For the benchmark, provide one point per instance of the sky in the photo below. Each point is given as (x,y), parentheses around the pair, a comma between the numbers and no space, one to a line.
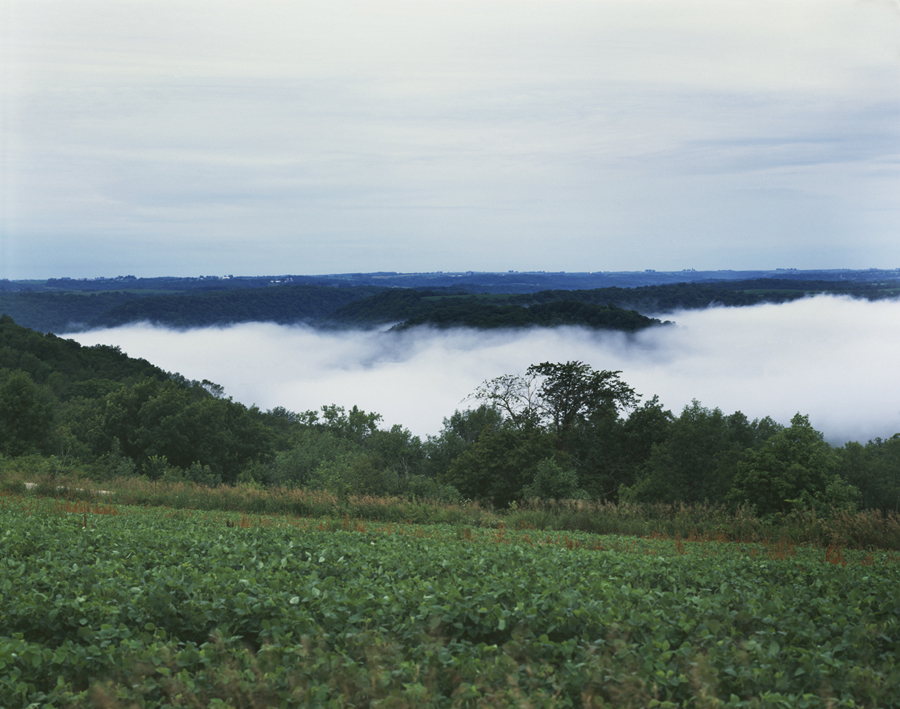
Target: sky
(831,358)
(213,137)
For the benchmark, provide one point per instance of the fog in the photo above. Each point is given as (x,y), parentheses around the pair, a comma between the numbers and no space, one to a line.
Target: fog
(835,359)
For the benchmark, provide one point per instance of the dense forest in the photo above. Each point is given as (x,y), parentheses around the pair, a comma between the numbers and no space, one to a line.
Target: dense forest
(322,306)
(409,308)
(688,296)
(70,306)
(556,431)
(70,312)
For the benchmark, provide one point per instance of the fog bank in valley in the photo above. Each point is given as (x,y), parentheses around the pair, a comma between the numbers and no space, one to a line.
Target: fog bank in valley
(832,358)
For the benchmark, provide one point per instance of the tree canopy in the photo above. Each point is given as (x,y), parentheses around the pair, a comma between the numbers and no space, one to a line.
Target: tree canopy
(556,394)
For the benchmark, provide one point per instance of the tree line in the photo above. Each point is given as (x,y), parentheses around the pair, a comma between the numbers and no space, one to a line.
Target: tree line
(559,430)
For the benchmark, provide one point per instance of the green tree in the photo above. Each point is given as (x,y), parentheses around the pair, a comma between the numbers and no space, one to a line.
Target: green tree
(874,469)
(26,415)
(354,474)
(609,451)
(120,419)
(310,448)
(355,425)
(795,468)
(557,395)
(572,392)
(398,451)
(500,464)
(458,433)
(697,459)
(185,426)
(553,482)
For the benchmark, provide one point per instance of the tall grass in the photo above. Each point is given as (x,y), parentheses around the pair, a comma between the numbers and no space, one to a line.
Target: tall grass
(861,530)
(868,529)
(642,520)
(253,499)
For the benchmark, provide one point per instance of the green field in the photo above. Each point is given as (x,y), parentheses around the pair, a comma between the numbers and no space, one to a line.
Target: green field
(116,606)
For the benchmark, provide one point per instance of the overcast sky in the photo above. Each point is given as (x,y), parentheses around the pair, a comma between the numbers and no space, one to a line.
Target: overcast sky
(211,137)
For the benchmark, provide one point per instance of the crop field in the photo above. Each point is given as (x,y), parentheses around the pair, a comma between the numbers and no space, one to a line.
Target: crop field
(115,606)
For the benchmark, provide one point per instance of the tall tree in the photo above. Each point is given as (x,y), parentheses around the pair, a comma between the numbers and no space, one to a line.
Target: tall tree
(609,451)
(571,392)
(459,432)
(557,395)
(501,463)
(875,470)
(697,459)
(26,415)
(795,468)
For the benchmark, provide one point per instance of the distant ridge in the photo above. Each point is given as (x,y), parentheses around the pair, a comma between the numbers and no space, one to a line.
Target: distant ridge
(489,300)
(487,281)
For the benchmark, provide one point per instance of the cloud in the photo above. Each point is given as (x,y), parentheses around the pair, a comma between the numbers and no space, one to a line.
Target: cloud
(832,358)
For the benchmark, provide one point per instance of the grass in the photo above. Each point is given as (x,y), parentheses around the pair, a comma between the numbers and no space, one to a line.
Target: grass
(867,529)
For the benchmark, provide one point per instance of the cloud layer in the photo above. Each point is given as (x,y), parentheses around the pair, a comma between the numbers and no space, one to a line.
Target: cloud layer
(832,358)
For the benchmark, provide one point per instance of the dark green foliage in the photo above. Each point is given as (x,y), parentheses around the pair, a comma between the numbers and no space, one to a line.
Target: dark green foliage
(185,426)
(69,368)
(413,307)
(610,451)
(346,453)
(577,408)
(390,306)
(26,415)
(501,463)
(460,431)
(109,405)
(651,299)
(284,304)
(310,448)
(874,469)
(570,393)
(397,450)
(475,313)
(668,298)
(697,459)
(556,396)
(355,425)
(553,482)
(60,312)
(795,468)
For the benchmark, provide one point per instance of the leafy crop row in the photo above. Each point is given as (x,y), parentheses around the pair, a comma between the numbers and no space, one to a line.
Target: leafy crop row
(121,606)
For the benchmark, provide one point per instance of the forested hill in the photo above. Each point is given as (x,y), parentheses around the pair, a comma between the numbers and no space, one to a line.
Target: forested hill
(409,308)
(691,296)
(477,314)
(285,305)
(661,299)
(286,302)
(65,366)
(98,405)
(61,312)
(618,308)
(74,311)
